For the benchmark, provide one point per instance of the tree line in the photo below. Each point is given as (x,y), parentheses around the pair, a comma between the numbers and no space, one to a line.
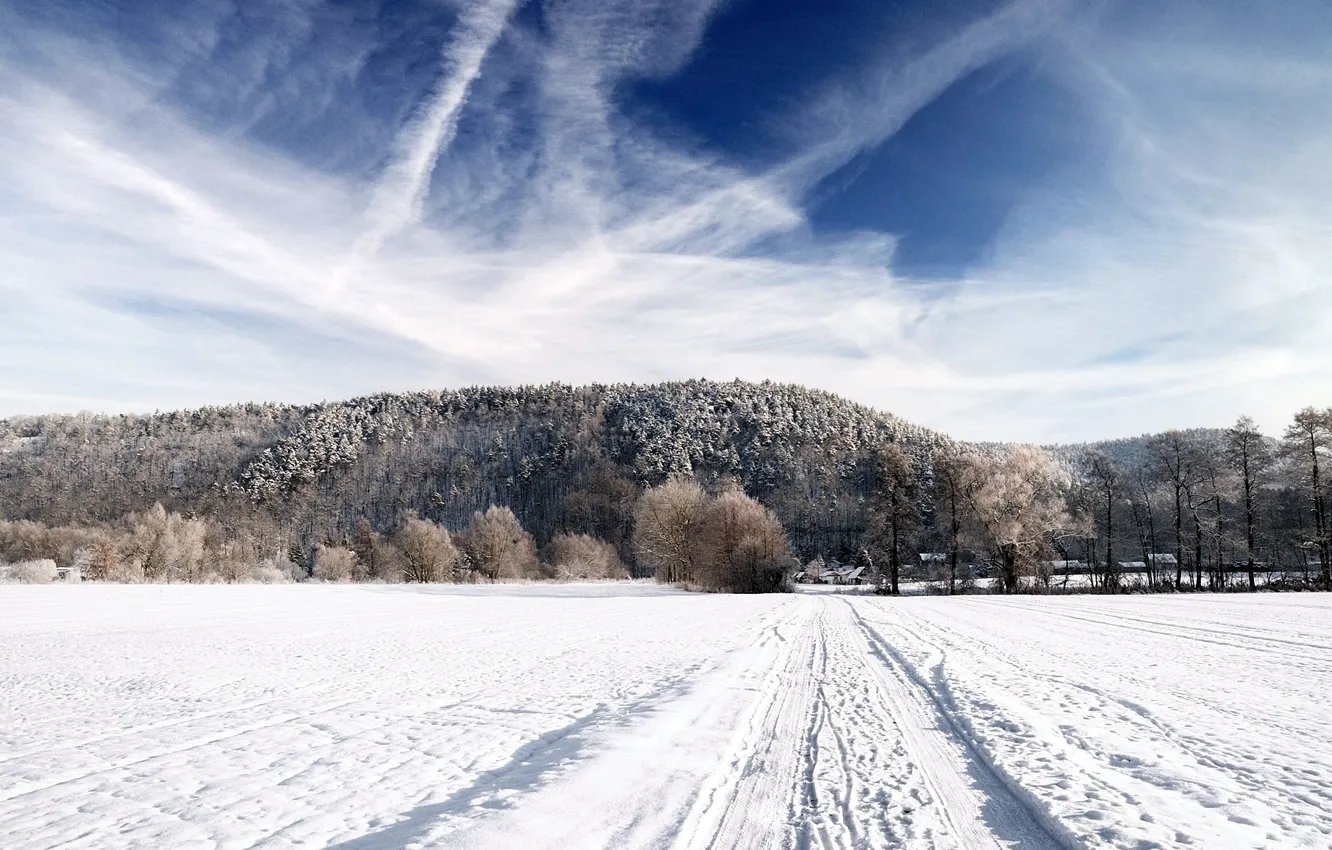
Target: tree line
(287,486)
(725,541)
(1180,510)
(163,546)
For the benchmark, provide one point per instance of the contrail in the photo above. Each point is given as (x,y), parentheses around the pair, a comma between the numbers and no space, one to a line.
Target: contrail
(400,195)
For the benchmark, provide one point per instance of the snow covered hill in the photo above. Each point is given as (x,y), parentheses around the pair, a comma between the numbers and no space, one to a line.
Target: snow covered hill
(626,716)
(560,457)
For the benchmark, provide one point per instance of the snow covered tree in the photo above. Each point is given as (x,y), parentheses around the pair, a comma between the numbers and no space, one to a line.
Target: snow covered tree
(498,547)
(427,551)
(582,556)
(1018,504)
(334,563)
(665,524)
(740,546)
(1249,456)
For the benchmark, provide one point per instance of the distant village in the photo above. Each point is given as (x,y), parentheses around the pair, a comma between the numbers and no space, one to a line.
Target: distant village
(931,571)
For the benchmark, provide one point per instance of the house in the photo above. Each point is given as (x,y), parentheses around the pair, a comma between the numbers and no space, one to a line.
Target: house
(933,565)
(1067,567)
(831,572)
(850,575)
(814,570)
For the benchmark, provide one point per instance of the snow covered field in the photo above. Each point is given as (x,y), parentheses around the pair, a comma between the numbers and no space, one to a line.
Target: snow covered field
(624,716)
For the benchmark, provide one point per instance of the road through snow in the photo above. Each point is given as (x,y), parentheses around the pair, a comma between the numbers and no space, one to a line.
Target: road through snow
(627,716)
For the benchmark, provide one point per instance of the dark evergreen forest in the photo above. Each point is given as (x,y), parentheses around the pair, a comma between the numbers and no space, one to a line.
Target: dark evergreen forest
(562,458)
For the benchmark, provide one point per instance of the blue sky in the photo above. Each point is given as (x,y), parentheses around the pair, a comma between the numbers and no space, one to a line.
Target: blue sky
(1032,220)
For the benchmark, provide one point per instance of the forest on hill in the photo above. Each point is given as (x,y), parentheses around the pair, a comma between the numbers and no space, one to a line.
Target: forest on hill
(563,459)
(275,482)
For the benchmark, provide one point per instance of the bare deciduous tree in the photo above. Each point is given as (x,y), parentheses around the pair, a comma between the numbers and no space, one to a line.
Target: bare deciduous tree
(1106,479)
(1250,458)
(894,510)
(740,546)
(376,558)
(498,547)
(168,546)
(666,521)
(1018,505)
(334,563)
(582,556)
(1308,441)
(427,551)
(1174,459)
(954,481)
(103,558)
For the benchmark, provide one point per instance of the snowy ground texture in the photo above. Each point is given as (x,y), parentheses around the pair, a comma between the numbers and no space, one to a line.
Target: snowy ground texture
(622,716)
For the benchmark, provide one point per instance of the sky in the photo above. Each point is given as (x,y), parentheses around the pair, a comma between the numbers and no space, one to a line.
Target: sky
(1036,220)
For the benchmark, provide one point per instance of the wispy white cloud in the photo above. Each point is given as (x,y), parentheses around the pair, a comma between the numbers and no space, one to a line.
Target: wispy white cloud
(868,107)
(400,194)
(562,240)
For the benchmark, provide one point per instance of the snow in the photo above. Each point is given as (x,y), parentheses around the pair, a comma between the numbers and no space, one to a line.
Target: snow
(622,715)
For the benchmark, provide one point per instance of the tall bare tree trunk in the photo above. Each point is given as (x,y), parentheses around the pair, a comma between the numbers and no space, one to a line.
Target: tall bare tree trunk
(1248,523)
(894,556)
(1320,515)
(1197,547)
(1110,581)
(1179,538)
(955,527)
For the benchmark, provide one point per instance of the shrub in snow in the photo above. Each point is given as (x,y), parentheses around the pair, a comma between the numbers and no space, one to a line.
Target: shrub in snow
(168,546)
(269,574)
(34,572)
(729,542)
(740,546)
(427,552)
(334,563)
(581,556)
(127,571)
(498,547)
(294,571)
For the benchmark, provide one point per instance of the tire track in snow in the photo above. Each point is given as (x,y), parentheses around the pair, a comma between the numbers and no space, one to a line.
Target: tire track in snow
(863,788)
(24,789)
(985,809)
(811,826)
(1174,630)
(1229,776)
(631,793)
(747,800)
